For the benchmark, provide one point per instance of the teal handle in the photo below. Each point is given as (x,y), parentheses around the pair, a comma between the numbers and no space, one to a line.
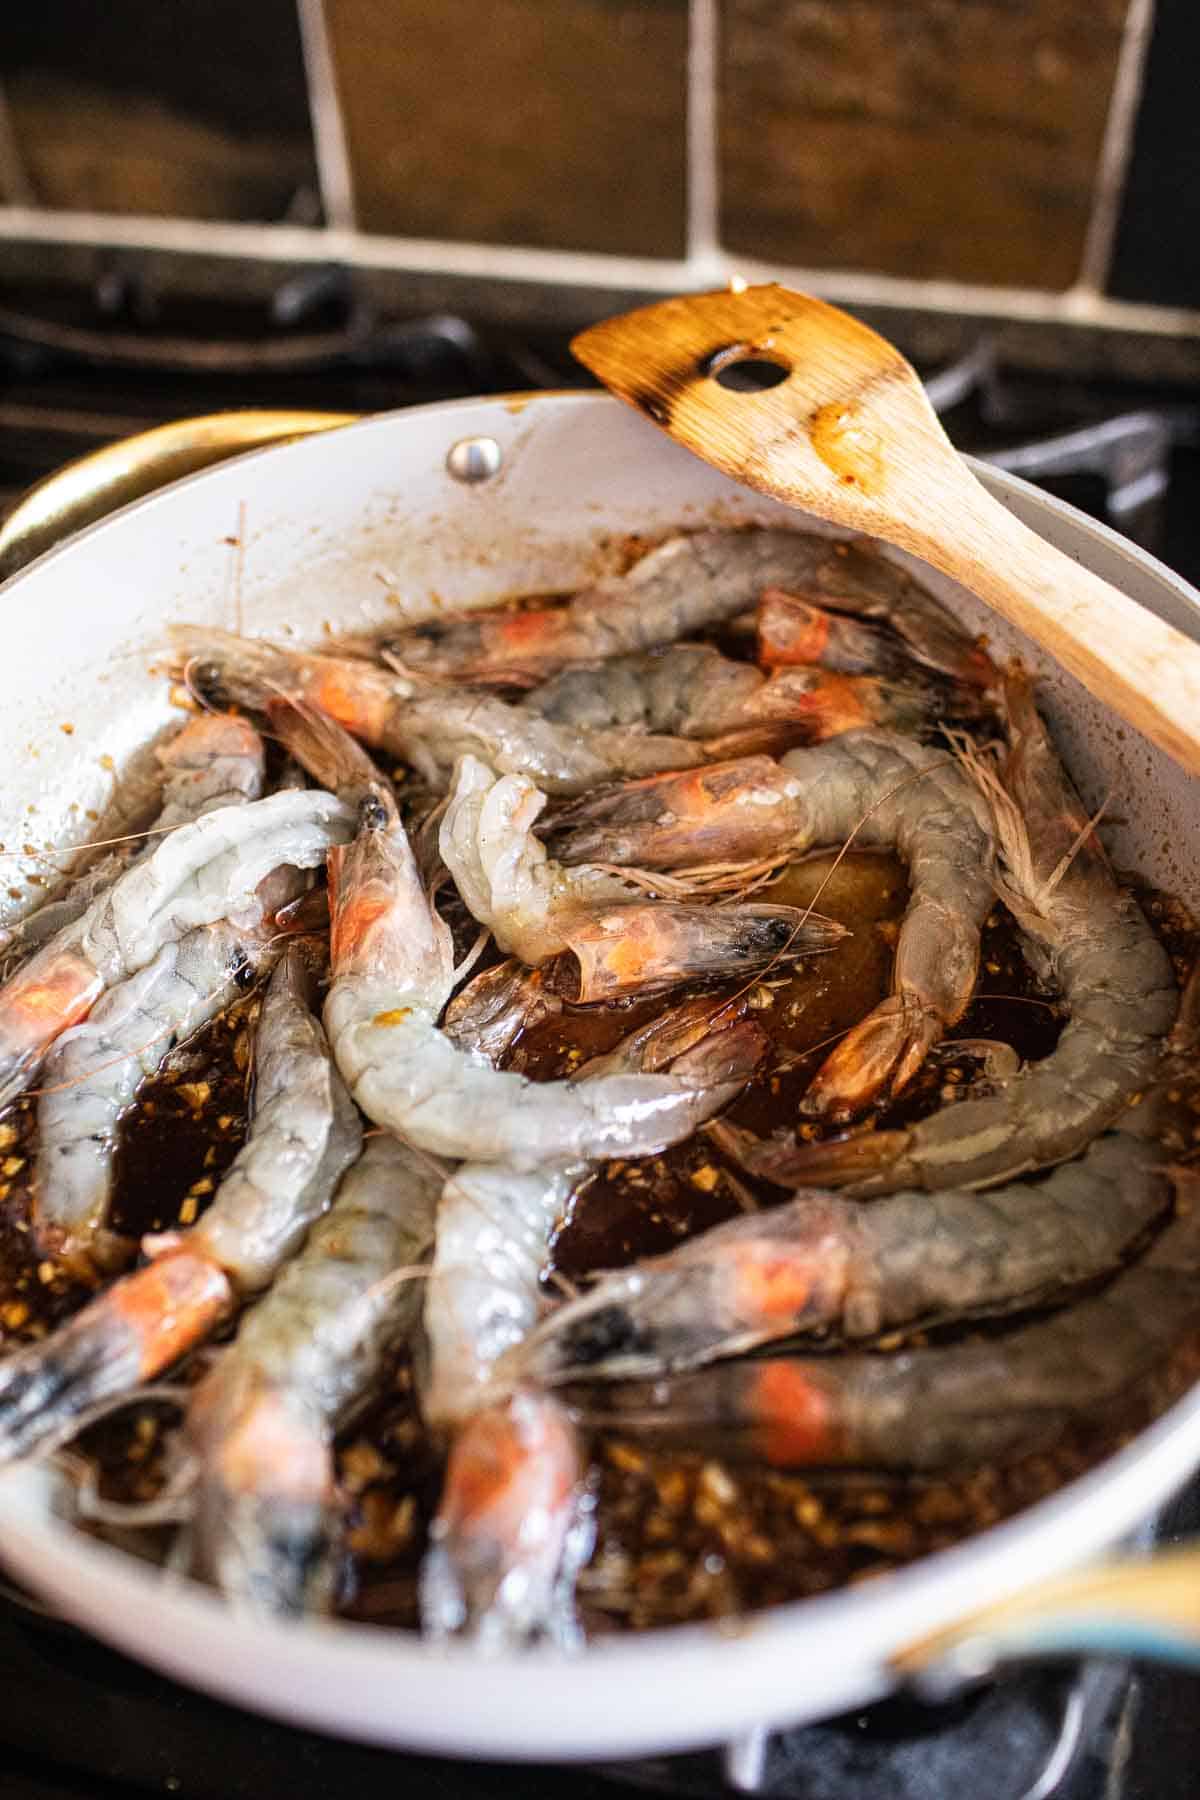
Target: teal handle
(1147,1609)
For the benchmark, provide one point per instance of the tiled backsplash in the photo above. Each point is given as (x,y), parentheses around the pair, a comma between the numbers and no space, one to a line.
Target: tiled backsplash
(192,108)
(939,138)
(1016,158)
(551,122)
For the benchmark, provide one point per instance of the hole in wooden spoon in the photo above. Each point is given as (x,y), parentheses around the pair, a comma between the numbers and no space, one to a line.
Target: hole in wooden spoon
(748,374)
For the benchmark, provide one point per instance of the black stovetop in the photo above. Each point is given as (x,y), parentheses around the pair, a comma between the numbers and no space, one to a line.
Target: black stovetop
(80,1722)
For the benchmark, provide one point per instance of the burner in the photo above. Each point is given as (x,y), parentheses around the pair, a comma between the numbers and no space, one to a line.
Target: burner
(1017,1740)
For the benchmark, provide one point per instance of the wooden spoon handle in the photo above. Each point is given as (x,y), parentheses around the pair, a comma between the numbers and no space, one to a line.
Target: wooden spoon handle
(1145,669)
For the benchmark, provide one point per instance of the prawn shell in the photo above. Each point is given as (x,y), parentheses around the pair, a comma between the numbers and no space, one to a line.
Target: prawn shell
(645,949)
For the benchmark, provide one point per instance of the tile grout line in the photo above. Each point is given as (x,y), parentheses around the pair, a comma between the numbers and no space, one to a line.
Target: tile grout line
(1116,148)
(577,270)
(334,174)
(703,182)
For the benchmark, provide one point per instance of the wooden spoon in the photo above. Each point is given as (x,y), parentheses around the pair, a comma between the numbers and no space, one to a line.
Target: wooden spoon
(845,431)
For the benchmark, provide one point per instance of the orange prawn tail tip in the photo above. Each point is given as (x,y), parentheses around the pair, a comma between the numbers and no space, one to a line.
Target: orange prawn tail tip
(326,751)
(55,990)
(878,1057)
(513,1527)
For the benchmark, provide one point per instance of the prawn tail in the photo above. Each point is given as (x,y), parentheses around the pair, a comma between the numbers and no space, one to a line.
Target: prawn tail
(879,1056)
(127,1335)
(327,752)
(513,1529)
(837,1162)
(264,1528)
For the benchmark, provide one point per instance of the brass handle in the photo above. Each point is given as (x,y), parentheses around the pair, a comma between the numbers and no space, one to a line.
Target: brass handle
(86,490)
(1146,1608)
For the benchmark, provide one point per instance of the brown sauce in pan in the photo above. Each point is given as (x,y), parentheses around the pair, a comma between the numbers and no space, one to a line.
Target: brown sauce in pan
(679,1537)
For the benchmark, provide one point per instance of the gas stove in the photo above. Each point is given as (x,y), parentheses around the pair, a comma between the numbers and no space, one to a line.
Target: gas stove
(80,368)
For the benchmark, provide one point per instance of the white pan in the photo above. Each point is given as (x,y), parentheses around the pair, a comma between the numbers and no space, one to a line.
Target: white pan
(362,527)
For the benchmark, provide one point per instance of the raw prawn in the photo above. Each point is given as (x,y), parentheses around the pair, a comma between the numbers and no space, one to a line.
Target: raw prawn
(216,759)
(202,872)
(686,585)
(1081,931)
(393,970)
(421,723)
(936,1408)
(266,1522)
(873,788)
(692,691)
(821,1262)
(594,940)
(495,1223)
(512,1526)
(303,1135)
(93,1070)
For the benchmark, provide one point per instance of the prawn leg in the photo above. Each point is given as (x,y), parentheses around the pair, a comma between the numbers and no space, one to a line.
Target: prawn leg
(303,1135)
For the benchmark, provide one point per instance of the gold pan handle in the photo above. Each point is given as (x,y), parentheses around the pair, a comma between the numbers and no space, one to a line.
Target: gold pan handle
(86,490)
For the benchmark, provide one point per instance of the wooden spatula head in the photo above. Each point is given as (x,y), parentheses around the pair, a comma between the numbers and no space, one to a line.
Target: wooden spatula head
(837,431)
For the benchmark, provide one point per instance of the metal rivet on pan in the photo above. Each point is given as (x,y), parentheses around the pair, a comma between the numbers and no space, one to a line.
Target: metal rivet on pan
(474,459)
